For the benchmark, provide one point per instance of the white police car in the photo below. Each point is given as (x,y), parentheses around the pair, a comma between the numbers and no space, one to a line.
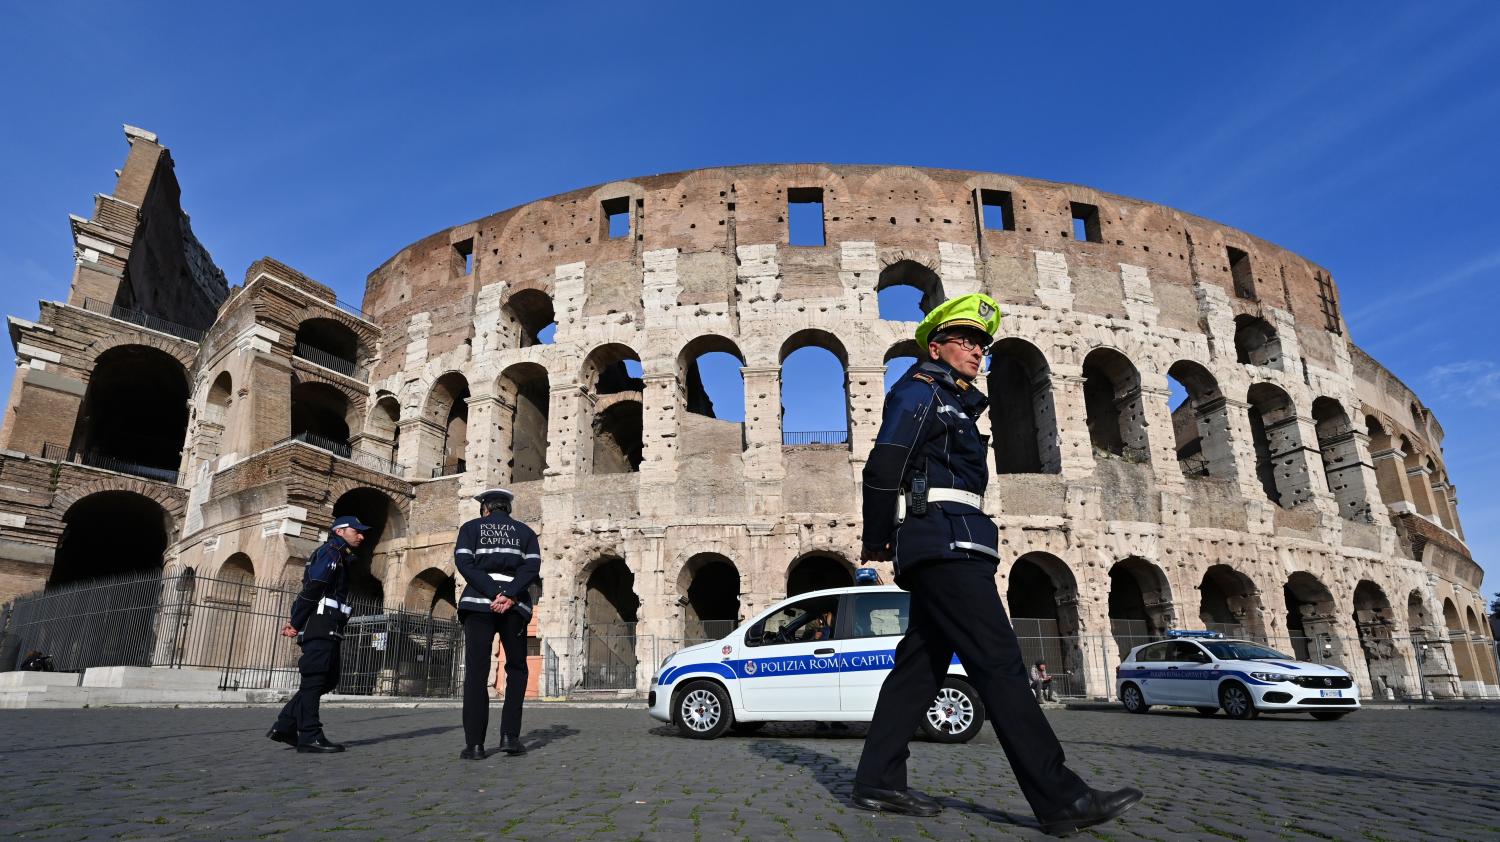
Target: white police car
(1202,670)
(816,656)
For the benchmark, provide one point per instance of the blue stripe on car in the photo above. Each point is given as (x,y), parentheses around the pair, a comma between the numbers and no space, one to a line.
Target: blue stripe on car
(873,659)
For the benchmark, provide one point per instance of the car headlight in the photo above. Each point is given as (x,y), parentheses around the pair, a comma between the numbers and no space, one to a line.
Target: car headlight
(1270,676)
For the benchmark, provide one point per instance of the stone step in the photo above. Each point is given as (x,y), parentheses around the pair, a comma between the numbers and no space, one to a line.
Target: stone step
(152,678)
(26,679)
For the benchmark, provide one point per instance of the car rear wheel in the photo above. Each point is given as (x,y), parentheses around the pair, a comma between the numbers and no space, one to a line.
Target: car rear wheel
(702,711)
(1329,715)
(1206,711)
(956,715)
(1133,699)
(1237,701)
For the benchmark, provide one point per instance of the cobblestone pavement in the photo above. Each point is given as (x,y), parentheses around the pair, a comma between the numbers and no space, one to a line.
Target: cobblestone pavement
(616,774)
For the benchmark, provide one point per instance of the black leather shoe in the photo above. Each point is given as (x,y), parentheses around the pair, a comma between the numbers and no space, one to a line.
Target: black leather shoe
(1093,807)
(472,753)
(512,745)
(904,802)
(320,745)
(288,737)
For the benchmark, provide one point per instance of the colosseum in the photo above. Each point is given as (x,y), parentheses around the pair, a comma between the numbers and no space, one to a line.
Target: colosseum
(1287,487)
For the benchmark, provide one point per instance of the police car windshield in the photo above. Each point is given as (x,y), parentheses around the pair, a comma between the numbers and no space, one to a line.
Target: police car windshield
(1239,650)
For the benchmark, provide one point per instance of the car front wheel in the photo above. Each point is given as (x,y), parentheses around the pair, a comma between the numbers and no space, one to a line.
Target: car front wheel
(956,715)
(1237,701)
(702,711)
(1133,699)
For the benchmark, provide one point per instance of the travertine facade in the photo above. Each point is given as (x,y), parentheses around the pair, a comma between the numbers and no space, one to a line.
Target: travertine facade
(1299,492)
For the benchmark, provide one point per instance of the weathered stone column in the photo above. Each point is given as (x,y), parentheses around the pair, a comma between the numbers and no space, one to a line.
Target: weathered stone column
(763,465)
(1076,454)
(866,390)
(1161,443)
(486,456)
(659,435)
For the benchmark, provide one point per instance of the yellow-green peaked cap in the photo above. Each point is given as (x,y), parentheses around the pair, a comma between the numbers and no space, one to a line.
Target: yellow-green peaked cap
(975,310)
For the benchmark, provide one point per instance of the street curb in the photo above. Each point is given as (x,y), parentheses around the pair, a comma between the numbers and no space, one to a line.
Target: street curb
(1374,706)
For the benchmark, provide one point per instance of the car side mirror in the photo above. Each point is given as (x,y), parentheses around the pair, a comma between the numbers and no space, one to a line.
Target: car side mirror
(755,635)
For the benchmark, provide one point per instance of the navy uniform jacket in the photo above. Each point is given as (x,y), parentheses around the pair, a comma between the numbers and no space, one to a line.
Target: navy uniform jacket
(322,608)
(929,425)
(497,554)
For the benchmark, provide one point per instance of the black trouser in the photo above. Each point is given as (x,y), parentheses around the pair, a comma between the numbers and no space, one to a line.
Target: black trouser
(319,666)
(956,608)
(480,628)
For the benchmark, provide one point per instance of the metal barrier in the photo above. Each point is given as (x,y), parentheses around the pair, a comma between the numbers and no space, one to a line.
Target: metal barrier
(811,437)
(326,359)
(98,459)
(450,468)
(146,320)
(232,626)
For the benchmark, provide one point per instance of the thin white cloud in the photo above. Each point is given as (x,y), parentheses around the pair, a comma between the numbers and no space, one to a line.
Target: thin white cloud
(1370,314)
(1475,382)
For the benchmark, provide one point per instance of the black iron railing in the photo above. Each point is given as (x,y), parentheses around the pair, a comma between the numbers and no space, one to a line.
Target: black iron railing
(337,448)
(146,320)
(326,359)
(807,437)
(95,458)
(450,468)
(344,450)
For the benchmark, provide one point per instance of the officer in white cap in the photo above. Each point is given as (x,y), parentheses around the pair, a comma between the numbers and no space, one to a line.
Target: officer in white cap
(500,561)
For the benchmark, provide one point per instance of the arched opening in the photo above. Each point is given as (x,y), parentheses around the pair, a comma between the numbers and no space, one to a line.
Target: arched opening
(432,592)
(614,439)
(1375,623)
(1312,619)
(1112,401)
(384,518)
(1277,441)
(816,571)
(1042,597)
(814,390)
(320,416)
(1200,422)
(899,359)
(709,593)
(111,533)
(385,428)
(610,609)
(1023,419)
(1458,638)
(447,410)
(1341,463)
(524,405)
(330,344)
(1388,470)
(906,291)
(220,396)
(1140,603)
(1255,342)
(1229,603)
(134,414)
(709,381)
(531,318)
(1416,478)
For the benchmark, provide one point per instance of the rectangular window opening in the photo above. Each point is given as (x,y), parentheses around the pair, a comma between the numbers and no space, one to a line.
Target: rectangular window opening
(804,206)
(1086,223)
(465,254)
(999,210)
(1239,268)
(616,217)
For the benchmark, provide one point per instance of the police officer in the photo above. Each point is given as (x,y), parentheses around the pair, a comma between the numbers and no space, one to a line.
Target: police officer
(500,561)
(318,617)
(923,497)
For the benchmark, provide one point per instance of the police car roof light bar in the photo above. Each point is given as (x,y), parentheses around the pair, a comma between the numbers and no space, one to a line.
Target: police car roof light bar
(1209,635)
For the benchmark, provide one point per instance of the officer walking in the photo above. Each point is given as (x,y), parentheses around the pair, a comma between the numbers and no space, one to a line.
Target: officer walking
(923,497)
(318,617)
(500,561)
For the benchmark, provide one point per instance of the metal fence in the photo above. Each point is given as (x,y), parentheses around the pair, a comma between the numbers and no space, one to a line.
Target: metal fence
(231,626)
(809,437)
(326,359)
(95,458)
(125,314)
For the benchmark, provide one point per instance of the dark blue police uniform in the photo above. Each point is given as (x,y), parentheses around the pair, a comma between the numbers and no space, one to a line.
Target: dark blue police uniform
(318,614)
(496,554)
(947,558)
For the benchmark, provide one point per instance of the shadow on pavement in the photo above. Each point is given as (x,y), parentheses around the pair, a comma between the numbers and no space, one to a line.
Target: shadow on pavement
(838,779)
(541,737)
(404,735)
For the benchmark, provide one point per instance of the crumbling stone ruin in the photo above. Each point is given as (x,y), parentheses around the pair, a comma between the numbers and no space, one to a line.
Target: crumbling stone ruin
(1299,493)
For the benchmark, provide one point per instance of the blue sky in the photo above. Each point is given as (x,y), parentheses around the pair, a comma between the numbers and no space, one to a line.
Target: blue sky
(330,135)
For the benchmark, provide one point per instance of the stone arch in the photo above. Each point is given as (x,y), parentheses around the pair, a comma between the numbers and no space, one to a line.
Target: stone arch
(610,610)
(134,413)
(445,412)
(797,343)
(109,533)
(1342,466)
(432,592)
(1312,619)
(220,395)
(1459,639)
(1140,603)
(184,353)
(708,589)
(818,569)
(1277,441)
(1256,342)
(233,584)
(909,273)
(898,359)
(691,394)
(604,370)
(1230,602)
(383,427)
(386,521)
(529,313)
(320,415)
(1042,597)
(330,343)
(1112,400)
(525,400)
(1375,623)
(1023,417)
(1200,424)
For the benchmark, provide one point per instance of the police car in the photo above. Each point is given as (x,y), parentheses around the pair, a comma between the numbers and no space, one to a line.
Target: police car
(815,656)
(1204,671)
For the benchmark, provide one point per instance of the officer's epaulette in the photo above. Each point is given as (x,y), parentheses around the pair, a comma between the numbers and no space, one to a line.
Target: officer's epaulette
(925,378)
(962,383)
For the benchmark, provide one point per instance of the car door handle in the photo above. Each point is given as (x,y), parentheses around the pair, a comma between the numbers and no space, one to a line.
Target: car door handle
(822,651)
(1171,668)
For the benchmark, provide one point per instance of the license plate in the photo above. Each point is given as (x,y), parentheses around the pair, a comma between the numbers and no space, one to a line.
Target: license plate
(1330,694)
